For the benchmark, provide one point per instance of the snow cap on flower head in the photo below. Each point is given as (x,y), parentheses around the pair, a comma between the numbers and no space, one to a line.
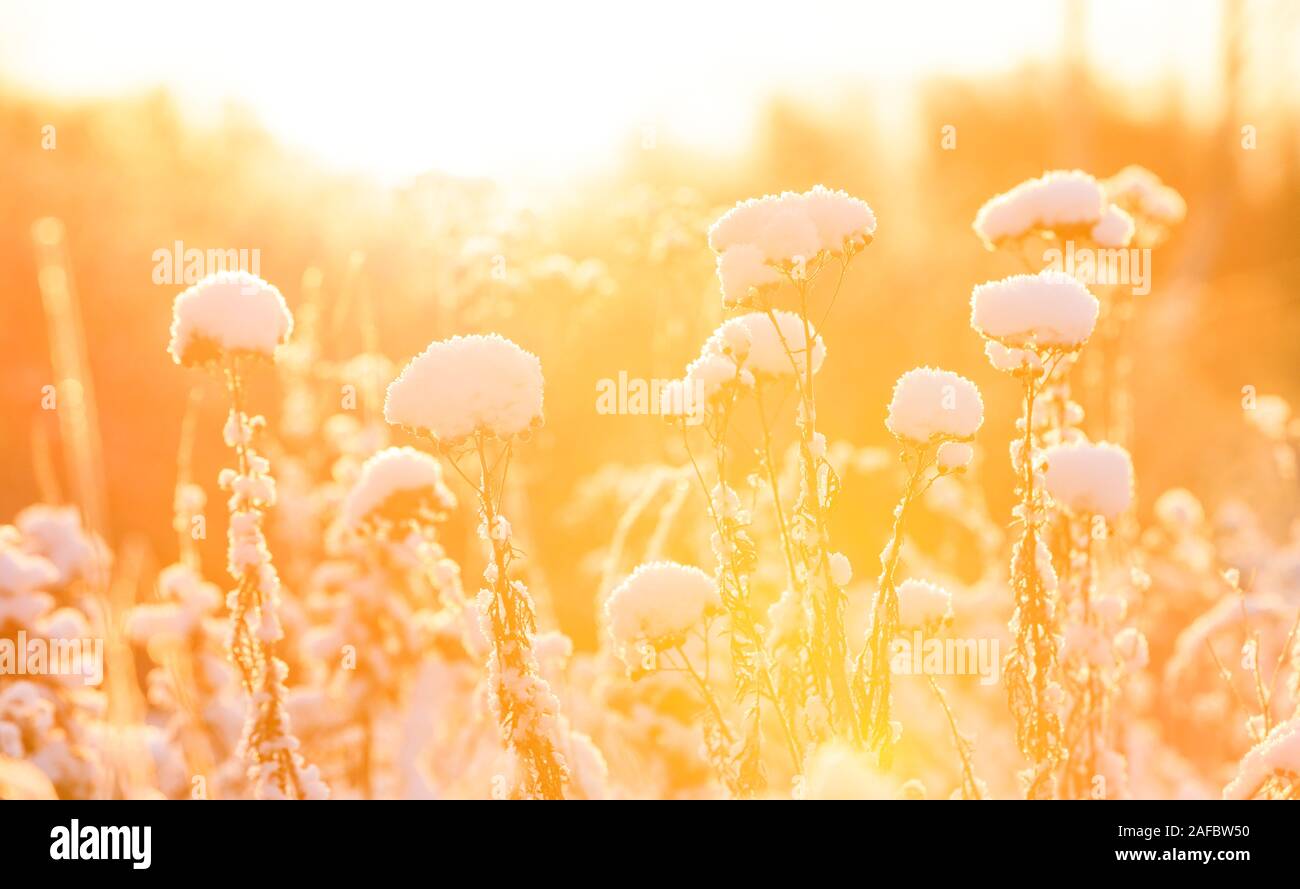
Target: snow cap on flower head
(843,222)
(1114,229)
(933,404)
(397,484)
(468,384)
(743,272)
(792,225)
(761,235)
(1049,309)
(765,348)
(228,314)
(1056,200)
(21,571)
(658,604)
(954,455)
(57,533)
(1140,191)
(1090,479)
(923,605)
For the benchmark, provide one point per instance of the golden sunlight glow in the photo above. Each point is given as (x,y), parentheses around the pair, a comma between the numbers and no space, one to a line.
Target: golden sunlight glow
(673,400)
(474,89)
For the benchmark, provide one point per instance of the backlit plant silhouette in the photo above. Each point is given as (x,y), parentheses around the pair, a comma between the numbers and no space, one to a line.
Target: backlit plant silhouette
(227,322)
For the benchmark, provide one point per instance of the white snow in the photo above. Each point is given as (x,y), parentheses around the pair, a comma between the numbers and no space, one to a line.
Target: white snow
(1050,309)
(227,314)
(931,404)
(922,604)
(658,604)
(764,348)
(954,455)
(396,472)
(1090,479)
(742,272)
(466,384)
(1052,201)
(1278,753)
(1114,229)
(1141,191)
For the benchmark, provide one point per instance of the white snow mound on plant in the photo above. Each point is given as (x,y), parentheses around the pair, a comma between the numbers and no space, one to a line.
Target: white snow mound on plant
(1056,199)
(1141,191)
(929,403)
(1114,229)
(742,271)
(792,226)
(1049,309)
(922,604)
(466,384)
(233,312)
(660,602)
(1090,478)
(394,471)
(767,349)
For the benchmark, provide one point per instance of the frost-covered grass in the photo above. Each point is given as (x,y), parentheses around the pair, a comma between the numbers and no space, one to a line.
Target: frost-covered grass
(742,646)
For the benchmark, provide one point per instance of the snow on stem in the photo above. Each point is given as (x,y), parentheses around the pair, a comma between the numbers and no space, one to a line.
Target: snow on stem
(276,767)
(933,414)
(526,708)
(823,598)
(1031,668)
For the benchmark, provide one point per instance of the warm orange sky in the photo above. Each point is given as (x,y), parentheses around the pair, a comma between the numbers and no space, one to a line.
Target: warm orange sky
(510,88)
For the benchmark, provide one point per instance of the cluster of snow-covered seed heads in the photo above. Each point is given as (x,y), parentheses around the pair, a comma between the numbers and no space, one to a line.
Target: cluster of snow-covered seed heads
(933,414)
(46,559)
(464,394)
(764,246)
(1062,203)
(1033,325)
(762,241)
(767,249)
(1071,491)
(225,322)
(737,649)
(398,486)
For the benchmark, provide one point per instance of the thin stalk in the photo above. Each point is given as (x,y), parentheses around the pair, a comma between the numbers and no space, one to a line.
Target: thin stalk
(873,676)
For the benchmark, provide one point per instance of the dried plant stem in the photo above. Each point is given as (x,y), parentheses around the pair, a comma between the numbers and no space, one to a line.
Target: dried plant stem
(526,708)
(69,359)
(773,480)
(825,601)
(719,739)
(188,549)
(268,743)
(1087,719)
(753,672)
(970,785)
(245,650)
(702,685)
(873,677)
(1031,665)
